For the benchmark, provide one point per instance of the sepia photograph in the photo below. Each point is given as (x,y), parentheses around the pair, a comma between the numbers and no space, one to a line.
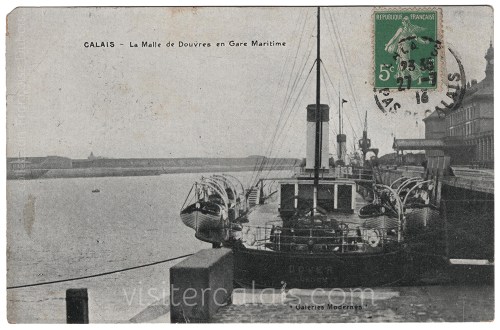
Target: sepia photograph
(329,164)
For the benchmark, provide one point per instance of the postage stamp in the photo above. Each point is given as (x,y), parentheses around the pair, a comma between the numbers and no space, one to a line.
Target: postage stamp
(407,48)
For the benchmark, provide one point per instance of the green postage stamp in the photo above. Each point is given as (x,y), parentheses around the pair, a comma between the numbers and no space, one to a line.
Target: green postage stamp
(407,48)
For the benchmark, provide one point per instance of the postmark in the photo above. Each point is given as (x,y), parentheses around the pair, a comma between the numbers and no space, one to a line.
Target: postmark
(407,48)
(423,102)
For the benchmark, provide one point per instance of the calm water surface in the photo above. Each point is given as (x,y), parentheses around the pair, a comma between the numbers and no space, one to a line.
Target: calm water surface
(58,229)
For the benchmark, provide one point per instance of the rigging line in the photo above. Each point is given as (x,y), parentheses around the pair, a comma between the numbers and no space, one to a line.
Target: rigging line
(292,109)
(189,193)
(281,143)
(291,170)
(280,162)
(296,55)
(328,96)
(338,61)
(329,102)
(348,119)
(344,72)
(332,126)
(347,75)
(327,93)
(334,45)
(274,161)
(353,131)
(296,81)
(280,83)
(288,91)
(97,275)
(288,96)
(335,92)
(339,40)
(295,102)
(280,128)
(274,166)
(345,64)
(290,79)
(265,160)
(278,132)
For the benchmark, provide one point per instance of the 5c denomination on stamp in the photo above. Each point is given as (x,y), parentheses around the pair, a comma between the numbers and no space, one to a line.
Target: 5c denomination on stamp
(407,48)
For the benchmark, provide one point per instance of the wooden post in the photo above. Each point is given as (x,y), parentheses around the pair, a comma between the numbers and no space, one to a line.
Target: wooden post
(77,306)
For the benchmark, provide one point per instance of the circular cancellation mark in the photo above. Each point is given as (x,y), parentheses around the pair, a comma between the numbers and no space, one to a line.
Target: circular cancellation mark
(393,101)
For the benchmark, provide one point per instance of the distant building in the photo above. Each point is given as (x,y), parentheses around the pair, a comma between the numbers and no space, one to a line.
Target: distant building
(18,165)
(472,123)
(92,157)
(465,134)
(435,126)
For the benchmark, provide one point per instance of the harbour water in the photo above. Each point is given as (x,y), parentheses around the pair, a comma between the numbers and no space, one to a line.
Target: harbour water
(59,229)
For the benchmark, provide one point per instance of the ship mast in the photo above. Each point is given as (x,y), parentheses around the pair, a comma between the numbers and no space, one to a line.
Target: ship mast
(317,150)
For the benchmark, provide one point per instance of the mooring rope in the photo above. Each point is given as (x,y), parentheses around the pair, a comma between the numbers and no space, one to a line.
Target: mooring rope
(97,275)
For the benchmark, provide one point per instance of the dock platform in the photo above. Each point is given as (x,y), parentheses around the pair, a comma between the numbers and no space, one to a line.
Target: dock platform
(401,304)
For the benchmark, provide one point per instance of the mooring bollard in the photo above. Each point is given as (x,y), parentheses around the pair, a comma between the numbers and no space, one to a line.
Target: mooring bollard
(200,285)
(77,306)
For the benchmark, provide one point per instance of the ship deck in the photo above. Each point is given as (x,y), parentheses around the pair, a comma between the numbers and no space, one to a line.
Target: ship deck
(263,216)
(267,213)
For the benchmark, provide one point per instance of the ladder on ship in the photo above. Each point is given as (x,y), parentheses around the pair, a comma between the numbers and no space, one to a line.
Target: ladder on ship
(253,196)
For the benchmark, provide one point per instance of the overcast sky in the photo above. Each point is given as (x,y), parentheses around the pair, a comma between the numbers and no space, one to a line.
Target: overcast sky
(68,100)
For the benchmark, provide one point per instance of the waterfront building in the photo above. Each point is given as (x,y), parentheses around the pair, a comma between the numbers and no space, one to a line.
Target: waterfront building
(465,135)
(472,123)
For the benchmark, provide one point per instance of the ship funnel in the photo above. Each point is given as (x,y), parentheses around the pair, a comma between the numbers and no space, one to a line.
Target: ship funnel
(324,113)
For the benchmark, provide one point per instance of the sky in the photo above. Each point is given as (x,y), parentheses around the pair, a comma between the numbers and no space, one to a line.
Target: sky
(129,102)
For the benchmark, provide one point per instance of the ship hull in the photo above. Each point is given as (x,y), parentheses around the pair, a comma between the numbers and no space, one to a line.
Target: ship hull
(263,268)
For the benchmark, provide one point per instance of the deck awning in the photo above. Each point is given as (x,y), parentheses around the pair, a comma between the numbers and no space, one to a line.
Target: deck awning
(418,144)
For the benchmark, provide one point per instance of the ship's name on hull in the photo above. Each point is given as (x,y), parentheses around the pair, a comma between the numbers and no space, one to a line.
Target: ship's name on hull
(311,270)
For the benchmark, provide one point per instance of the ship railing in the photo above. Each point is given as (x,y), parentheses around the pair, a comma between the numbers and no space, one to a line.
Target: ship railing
(342,172)
(477,164)
(341,239)
(362,174)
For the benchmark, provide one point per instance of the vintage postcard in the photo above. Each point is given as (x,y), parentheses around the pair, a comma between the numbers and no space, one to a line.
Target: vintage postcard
(250,164)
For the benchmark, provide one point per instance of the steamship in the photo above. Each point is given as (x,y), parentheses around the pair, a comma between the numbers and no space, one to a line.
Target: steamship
(309,233)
